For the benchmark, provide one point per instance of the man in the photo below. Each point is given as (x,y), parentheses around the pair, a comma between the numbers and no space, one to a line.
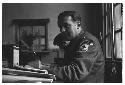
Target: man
(83,59)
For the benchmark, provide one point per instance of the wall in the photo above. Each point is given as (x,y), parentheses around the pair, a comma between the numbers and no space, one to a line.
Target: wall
(12,11)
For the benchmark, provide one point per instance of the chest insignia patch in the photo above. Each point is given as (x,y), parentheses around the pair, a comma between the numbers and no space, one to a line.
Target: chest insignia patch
(85,46)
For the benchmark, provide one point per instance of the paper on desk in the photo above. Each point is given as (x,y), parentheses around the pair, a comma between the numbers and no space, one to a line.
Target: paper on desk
(26,73)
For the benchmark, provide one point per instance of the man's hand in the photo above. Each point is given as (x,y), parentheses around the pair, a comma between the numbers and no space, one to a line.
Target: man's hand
(64,44)
(28,67)
(44,67)
(61,40)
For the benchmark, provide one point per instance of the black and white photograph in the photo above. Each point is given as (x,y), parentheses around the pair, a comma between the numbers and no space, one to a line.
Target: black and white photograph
(62,42)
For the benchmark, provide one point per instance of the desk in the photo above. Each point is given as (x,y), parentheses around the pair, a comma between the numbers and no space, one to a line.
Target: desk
(21,76)
(24,79)
(31,56)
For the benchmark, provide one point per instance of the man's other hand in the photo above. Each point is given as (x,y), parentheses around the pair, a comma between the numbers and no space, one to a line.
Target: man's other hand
(44,67)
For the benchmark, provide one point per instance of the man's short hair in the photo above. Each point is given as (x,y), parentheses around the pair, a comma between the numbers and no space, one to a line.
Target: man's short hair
(75,16)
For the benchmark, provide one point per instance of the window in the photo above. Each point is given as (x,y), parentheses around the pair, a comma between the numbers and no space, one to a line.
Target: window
(31,34)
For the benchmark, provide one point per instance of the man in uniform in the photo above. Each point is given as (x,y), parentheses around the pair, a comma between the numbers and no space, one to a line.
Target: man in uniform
(83,59)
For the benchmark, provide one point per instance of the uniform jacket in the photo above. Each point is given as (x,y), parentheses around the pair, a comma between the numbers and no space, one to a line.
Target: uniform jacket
(83,61)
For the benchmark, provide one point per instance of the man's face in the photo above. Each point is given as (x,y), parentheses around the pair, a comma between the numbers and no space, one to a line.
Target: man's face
(69,27)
